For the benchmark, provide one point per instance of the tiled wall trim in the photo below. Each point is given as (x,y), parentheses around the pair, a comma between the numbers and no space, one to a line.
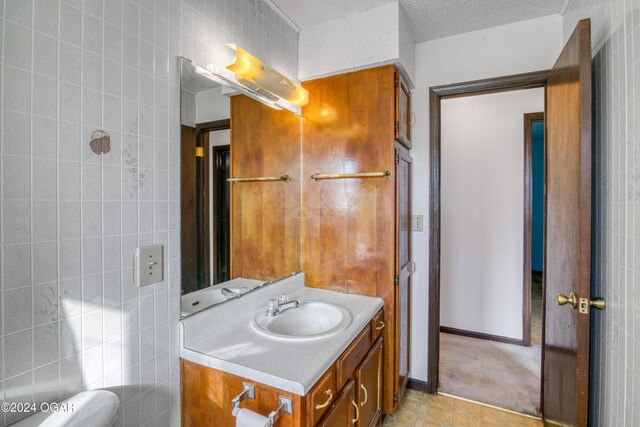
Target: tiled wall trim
(72,319)
(615,347)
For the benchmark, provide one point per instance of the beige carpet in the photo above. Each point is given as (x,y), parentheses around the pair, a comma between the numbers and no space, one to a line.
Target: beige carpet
(503,375)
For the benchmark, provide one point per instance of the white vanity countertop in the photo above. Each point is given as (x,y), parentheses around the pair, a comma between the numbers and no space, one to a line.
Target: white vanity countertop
(221,337)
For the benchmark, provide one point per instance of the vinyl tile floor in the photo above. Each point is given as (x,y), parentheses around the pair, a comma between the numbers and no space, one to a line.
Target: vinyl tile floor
(425,410)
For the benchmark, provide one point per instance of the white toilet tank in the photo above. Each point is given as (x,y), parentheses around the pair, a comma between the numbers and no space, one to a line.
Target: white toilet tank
(95,408)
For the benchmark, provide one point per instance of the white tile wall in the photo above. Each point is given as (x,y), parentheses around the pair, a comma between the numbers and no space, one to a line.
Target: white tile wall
(615,349)
(72,318)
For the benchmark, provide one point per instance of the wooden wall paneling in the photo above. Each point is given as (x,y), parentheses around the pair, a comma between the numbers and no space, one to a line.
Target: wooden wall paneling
(265,216)
(348,224)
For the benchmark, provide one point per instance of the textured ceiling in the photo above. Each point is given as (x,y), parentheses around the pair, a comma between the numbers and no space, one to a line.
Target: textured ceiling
(429,19)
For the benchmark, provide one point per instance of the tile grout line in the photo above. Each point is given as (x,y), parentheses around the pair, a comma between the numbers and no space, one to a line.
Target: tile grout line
(2,150)
(80,351)
(31,200)
(624,167)
(58,221)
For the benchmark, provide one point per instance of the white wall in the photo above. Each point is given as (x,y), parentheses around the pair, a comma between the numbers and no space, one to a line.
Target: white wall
(72,318)
(212,105)
(515,48)
(614,389)
(482,173)
(361,40)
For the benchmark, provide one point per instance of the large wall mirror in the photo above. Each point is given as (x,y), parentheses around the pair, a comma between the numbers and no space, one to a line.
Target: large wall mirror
(240,191)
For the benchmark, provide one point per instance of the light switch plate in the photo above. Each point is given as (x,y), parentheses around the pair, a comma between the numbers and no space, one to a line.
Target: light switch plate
(417,223)
(148,265)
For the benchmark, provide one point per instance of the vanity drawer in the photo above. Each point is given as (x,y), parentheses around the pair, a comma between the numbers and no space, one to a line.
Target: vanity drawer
(353,355)
(377,325)
(321,396)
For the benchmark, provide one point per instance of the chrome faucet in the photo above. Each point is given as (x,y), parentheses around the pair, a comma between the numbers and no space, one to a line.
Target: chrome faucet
(279,306)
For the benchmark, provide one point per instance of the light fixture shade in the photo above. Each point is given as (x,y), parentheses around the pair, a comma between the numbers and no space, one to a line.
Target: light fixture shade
(252,72)
(260,96)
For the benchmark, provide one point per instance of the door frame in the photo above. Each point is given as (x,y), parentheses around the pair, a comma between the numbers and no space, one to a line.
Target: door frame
(215,196)
(529,120)
(203,244)
(530,80)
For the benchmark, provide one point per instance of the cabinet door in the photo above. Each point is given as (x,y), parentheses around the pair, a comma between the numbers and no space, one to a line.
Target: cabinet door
(403,112)
(321,395)
(369,387)
(404,268)
(343,411)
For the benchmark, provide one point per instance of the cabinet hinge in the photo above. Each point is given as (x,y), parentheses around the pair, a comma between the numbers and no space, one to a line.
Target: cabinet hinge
(396,127)
(199,152)
(397,80)
(396,280)
(395,398)
(397,155)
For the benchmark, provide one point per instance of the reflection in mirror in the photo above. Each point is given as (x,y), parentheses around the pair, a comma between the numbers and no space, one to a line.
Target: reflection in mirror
(235,237)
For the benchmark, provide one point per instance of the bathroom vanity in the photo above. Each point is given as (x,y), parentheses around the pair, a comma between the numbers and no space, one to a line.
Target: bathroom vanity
(326,192)
(332,381)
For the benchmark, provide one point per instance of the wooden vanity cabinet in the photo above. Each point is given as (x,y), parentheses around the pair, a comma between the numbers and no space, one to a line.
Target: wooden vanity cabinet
(349,393)
(404,117)
(343,411)
(321,396)
(369,387)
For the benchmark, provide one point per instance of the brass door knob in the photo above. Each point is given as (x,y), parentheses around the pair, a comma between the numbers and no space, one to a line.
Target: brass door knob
(572,299)
(586,304)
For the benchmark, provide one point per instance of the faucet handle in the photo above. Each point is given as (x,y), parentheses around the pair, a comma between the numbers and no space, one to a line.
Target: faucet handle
(283,298)
(272,305)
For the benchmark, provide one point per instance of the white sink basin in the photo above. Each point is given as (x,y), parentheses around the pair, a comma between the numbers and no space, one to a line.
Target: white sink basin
(311,321)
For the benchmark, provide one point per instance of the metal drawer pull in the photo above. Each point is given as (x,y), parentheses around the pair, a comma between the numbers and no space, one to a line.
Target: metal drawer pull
(329,399)
(380,325)
(365,395)
(357,412)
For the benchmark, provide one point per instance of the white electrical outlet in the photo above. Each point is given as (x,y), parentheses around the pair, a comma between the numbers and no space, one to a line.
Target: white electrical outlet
(148,265)
(417,223)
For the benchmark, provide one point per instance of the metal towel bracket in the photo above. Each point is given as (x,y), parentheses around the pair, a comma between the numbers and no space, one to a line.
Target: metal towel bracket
(285,407)
(249,392)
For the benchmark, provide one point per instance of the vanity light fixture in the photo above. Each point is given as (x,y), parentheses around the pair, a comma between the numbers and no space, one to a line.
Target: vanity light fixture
(269,101)
(264,79)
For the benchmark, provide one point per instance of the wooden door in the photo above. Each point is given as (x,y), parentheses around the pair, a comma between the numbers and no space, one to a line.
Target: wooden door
(220,194)
(343,411)
(404,267)
(188,210)
(568,231)
(369,387)
(403,111)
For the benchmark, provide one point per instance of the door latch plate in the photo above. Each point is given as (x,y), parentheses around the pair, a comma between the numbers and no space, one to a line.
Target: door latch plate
(583,305)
